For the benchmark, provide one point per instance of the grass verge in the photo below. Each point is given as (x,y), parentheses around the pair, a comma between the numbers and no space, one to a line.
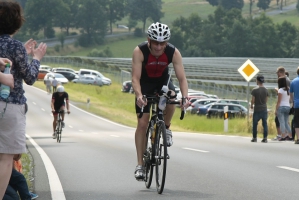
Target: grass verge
(111,103)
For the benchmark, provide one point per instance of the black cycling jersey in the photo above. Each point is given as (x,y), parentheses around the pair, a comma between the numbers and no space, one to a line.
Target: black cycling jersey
(154,72)
(59,100)
(155,69)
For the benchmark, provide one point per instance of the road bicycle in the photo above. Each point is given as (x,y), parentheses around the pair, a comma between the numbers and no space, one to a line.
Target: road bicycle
(58,129)
(156,153)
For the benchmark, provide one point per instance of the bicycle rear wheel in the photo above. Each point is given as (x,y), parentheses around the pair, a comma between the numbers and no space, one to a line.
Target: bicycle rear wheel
(160,157)
(58,132)
(148,157)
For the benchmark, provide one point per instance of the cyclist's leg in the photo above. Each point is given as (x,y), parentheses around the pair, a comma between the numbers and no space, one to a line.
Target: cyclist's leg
(140,137)
(168,114)
(170,108)
(62,114)
(55,115)
(140,140)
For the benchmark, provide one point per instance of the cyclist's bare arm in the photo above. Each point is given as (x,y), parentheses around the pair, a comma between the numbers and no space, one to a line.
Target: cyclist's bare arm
(68,106)
(136,74)
(180,73)
(52,105)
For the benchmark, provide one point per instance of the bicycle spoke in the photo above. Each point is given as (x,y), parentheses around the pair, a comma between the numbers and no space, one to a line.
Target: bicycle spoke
(161,157)
(148,157)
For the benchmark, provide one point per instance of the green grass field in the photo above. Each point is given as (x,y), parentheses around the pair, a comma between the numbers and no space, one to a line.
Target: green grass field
(111,103)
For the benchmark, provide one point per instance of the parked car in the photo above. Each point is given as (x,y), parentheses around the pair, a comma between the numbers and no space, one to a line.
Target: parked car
(197,97)
(46,67)
(63,69)
(105,80)
(126,86)
(200,102)
(235,101)
(69,75)
(202,110)
(234,110)
(59,77)
(192,100)
(89,80)
(191,93)
(42,73)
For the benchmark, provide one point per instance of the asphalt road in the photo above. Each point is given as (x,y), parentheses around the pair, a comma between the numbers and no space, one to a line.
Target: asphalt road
(96,160)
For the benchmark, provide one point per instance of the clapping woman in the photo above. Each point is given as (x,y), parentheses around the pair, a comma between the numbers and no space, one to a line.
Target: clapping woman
(12,109)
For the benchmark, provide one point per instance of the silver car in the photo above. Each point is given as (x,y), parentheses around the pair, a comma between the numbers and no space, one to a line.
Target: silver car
(89,80)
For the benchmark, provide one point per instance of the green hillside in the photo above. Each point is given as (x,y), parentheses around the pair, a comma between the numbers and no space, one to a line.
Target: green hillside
(123,47)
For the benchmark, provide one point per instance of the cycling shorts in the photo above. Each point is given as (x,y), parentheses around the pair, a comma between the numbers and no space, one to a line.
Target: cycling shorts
(58,108)
(150,89)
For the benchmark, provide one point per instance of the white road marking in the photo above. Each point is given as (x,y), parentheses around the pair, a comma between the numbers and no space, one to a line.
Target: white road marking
(54,182)
(289,168)
(202,151)
(34,103)
(95,133)
(43,109)
(70,126)
(114,135)
(81,130)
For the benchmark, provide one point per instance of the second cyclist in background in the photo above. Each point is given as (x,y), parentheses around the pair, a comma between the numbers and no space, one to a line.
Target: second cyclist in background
(59,99)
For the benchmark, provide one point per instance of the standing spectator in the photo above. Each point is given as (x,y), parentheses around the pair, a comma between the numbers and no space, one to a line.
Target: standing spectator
(54,84)
(13,121)
(294,91)
(48,85)
(283,109)
(280,73)
(259,104)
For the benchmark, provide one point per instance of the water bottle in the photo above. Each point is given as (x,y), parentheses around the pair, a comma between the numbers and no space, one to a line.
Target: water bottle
(5,90)
(163,99)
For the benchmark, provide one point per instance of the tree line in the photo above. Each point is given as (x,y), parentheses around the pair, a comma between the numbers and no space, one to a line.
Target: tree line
(261,4)
(94,18)
(225,33)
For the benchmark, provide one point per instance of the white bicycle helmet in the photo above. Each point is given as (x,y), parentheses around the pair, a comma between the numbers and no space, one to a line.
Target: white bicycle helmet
(158,32)
(60,89)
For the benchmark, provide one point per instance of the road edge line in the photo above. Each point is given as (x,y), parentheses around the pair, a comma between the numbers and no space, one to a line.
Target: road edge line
(54,182)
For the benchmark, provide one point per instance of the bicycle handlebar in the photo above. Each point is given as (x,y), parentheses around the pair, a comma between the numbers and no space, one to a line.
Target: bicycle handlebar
(155,99)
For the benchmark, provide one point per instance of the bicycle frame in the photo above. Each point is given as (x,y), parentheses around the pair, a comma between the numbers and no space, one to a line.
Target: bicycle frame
(156,153)
(59,126)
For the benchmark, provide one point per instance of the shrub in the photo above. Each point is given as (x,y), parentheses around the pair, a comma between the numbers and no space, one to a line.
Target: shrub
(138,32)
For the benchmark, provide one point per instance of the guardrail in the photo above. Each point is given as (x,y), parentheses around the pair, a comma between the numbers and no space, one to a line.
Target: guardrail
(213,75)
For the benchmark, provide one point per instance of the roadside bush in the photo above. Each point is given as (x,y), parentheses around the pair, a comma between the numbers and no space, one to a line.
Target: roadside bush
(57,47)
(49,32)
(138,32)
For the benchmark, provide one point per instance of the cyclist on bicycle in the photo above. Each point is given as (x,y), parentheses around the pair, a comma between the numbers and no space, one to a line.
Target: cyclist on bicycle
(149,73)
(58,104)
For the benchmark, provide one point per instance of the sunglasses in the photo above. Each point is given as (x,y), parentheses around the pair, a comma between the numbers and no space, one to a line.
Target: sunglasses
(157,43)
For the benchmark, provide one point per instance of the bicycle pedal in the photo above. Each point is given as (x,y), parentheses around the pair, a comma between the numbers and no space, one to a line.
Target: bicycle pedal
(168,157)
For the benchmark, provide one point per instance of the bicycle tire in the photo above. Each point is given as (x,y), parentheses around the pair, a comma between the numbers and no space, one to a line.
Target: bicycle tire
(58,132)
(160,157)
(148,157)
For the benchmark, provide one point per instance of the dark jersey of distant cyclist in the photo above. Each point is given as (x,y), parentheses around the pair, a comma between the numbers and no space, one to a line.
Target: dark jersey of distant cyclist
(155,69)
(59,100)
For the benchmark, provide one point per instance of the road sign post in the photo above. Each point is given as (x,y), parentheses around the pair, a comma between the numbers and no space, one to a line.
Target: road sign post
(225,116)
(248,70)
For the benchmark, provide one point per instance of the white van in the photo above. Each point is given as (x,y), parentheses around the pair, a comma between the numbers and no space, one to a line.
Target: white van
(105,80)
(61,69)
(45,67)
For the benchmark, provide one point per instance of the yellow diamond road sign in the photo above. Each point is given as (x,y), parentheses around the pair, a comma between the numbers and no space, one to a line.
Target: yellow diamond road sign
(248,70)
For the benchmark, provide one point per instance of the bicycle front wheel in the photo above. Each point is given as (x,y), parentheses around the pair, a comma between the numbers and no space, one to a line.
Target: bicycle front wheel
(160,157)
(148,157)
(58,132)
